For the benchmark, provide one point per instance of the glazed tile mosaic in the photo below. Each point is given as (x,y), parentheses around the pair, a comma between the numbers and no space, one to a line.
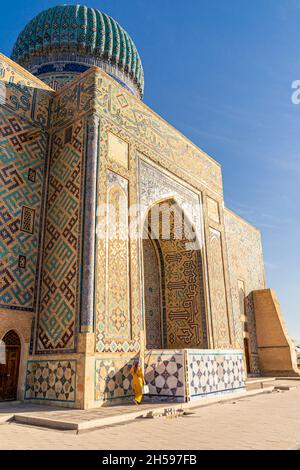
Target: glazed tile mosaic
(165,373)
(117,255)
(246,269)
(61,29)
(180,269)
(219,303)
(183,302)
(62,250)
(117,271)
(51,380)
(152,294)
(20,152)
(23,94)
(113,379)
(214,372)
(96,89)
(92,147)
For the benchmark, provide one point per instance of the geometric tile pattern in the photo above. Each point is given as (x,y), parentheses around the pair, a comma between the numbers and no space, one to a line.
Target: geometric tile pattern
(27,220)
(152,293)
(157,185)
(156,134)
(151,136)
(19,152)
(118,316)
(245,265)
(117,258)
(62,247)
(22,262)
(24,95)
(219,305)
(51,380)
(176,375)
(182,282)
(214,372)
(58,29)
(113,379)
(184,294)
(31,175)
(143,125)
(165,373)
(57,80)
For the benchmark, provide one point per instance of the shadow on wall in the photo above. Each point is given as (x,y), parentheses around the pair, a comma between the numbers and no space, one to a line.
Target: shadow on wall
(113,379)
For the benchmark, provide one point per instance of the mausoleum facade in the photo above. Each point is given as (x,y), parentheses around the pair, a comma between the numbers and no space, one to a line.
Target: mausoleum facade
(115,240)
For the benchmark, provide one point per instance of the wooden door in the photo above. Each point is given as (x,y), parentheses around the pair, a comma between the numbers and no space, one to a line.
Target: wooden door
(9,372)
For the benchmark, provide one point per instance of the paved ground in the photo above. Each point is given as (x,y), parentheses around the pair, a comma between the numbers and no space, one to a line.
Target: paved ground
(79,416)
(263,422)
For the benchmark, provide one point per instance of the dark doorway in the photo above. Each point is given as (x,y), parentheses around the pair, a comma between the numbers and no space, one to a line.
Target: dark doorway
(247,355)
(9,372)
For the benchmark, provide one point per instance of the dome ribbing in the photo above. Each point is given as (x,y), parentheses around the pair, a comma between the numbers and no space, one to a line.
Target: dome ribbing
(69,30)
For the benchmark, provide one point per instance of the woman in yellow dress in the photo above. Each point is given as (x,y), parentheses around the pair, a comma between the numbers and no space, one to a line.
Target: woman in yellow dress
(138,382)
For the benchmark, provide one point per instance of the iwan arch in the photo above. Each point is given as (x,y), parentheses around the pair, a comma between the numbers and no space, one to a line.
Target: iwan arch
(83,301)
(174,294)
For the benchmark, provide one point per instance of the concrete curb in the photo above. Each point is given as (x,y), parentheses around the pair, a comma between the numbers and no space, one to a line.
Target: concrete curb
(4,419)
(127,417)
(296,378)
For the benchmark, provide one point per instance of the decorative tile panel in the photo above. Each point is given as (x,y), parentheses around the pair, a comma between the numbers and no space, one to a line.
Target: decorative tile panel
(24,95)
(219,307)
(156,185)
(213,210)
(214,372)
(165,373)
(59,311)
(51,381)
(22,262)
(74,100)
(20,209)
(113,379)
(94,89)
(181,266)
(182,282)
(27,220)
(152,293)
(118,150)
(31,175)
(117,258)
(122,333)
(245,265)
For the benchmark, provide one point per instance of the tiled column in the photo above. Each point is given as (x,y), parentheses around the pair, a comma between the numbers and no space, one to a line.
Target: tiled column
(89,231)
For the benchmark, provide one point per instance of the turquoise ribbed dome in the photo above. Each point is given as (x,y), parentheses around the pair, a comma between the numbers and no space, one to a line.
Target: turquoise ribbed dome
(81,30)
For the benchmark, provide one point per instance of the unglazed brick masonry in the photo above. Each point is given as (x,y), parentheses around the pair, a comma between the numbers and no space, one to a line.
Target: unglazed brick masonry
(87,283)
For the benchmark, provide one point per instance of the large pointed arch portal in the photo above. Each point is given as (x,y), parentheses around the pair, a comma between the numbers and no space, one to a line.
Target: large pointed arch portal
(174,298)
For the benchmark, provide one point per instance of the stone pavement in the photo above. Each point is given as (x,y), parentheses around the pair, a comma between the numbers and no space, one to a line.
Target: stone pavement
(69,419)
(270,421)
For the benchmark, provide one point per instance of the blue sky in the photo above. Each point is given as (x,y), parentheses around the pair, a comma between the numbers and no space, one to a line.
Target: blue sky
(221,71)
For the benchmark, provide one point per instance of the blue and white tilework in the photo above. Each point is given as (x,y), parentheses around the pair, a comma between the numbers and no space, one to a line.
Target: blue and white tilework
(214,372)
(165,374)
